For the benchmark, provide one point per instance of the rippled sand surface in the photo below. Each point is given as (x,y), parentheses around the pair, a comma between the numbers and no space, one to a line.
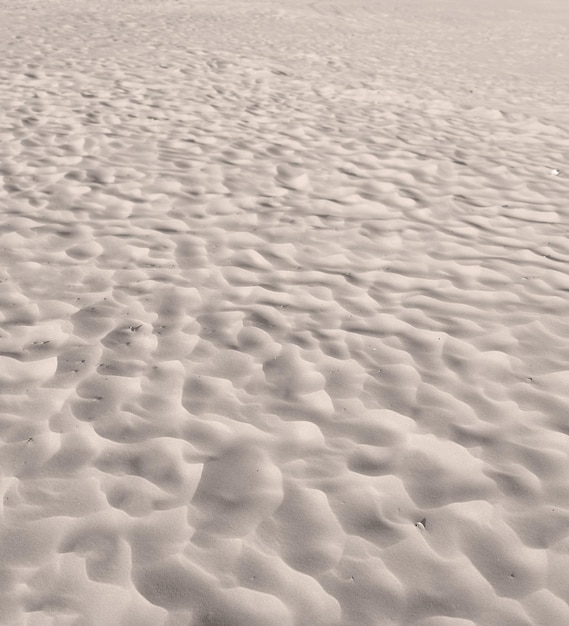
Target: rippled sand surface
(284,304)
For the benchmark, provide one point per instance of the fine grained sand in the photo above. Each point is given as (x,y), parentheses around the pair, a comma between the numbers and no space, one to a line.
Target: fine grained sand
(284,294)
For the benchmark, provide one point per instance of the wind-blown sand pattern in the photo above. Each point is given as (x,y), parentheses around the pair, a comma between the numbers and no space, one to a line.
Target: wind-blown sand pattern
(284,297)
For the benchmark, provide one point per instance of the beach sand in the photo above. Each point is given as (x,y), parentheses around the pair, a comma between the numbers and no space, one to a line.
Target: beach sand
(284,305)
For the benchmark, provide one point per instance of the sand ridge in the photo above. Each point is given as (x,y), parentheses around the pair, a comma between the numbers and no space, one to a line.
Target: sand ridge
(283,318)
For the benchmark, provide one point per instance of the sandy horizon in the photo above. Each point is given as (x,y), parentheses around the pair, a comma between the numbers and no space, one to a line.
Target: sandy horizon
(284,304)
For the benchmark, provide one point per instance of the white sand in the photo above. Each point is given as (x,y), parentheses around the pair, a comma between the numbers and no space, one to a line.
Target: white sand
(284,294)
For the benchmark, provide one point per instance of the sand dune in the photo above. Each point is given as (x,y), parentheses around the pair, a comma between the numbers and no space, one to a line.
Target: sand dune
(284,302)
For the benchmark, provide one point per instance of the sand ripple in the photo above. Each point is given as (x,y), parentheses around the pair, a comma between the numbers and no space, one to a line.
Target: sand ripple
(284,317)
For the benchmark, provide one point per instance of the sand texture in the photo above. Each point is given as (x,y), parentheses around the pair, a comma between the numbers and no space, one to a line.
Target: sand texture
(284,306)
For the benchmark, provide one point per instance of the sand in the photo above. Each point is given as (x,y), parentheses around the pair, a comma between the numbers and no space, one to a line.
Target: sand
(284,303)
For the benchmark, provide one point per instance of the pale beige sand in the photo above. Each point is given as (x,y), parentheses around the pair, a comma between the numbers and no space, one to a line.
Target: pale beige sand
(285,313)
